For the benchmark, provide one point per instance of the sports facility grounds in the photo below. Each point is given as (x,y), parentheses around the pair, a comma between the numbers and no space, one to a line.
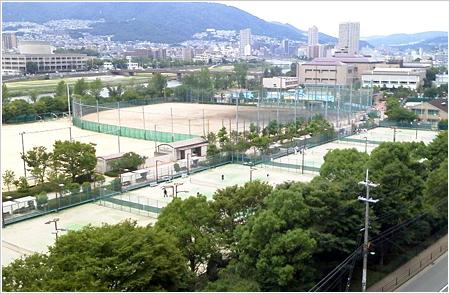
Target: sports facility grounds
(35,236)
(45,133)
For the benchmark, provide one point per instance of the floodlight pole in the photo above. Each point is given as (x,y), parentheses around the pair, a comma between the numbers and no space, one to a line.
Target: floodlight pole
(367,200)
(23,153)
(68,102)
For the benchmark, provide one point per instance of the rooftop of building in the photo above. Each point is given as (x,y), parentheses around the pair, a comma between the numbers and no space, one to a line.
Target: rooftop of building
(346,59)
(442,104)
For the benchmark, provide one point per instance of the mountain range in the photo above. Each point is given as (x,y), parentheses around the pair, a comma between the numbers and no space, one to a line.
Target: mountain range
(175,22)
(156,21)
(409,40)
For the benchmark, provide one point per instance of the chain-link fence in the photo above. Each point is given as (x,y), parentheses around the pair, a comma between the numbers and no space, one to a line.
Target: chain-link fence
(27,118)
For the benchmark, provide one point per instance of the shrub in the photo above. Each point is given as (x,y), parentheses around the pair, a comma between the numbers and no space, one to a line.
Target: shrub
(176,167)
(41,199)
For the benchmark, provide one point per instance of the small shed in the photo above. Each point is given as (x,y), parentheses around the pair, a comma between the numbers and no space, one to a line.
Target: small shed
(104,162)
(195,147)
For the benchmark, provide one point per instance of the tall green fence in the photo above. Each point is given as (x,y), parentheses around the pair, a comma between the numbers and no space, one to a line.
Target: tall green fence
(134,133)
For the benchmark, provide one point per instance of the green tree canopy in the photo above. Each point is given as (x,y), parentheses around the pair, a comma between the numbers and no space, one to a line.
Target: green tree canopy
(122,257)
(191,222)
(76,160)
(37,160)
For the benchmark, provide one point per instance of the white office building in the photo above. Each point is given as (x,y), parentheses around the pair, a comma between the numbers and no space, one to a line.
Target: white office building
(280,83)
(349,37)
(394,78)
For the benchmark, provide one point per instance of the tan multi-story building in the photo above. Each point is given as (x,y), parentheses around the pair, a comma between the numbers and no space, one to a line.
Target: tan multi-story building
(44,62)
(356,64)
(433,111)
(326,71)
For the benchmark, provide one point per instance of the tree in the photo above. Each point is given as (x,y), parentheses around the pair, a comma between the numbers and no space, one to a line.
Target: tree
(401,177)
(76,160)
(235,205)
(191,222)
(276,71)
(341,165)
(115,93)
(274,250)
(81,87)
(222,136)
(156,85)
(397,113)
(130,161)
(31,67)
(436,190)
(122,258)
(240,70)
(438,150)
(293,71)
(443,125)
(95,88)
(212,151)
(9,178)
(37,160)
(5,93)
(33,96)
(61,89)
(16,108)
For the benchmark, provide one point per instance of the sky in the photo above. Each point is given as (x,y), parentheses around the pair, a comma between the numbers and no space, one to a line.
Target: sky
(375,17)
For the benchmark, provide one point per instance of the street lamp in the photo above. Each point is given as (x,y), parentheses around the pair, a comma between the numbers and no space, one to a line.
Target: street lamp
(57,230)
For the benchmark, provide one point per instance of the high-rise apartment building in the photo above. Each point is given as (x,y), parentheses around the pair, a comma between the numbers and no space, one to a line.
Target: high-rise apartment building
(285,45)
(313,36)
(187,53)
(245,44)
(9,40)
(349,37)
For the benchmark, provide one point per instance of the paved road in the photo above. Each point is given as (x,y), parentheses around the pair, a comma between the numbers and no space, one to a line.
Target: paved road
(431,279)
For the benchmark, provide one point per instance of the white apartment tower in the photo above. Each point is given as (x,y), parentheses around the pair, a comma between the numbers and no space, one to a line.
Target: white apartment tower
(313,36)
(245,43)
(349,37)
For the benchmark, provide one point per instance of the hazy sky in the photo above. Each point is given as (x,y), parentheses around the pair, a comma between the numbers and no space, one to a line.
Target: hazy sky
(376,17)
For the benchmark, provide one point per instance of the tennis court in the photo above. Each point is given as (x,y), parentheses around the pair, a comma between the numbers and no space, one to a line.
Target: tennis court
(314,157)
(401,135)
(35,236)
(205,183)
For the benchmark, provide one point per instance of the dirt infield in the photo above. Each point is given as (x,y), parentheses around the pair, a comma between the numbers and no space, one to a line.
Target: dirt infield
(195,119)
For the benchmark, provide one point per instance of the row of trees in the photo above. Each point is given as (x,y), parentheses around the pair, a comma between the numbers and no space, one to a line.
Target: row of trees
(262,138)
(255,237)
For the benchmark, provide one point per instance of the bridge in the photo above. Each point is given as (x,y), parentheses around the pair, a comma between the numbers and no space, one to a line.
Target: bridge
(178,71)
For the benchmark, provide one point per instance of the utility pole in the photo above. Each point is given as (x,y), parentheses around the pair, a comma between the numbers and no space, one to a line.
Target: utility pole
(23,153)
(68,102)
(367,200)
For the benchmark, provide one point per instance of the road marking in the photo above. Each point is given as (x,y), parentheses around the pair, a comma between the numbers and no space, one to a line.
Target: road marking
(445,289)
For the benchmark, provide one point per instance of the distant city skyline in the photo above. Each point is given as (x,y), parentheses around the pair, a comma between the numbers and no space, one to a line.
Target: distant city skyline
(376,17)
